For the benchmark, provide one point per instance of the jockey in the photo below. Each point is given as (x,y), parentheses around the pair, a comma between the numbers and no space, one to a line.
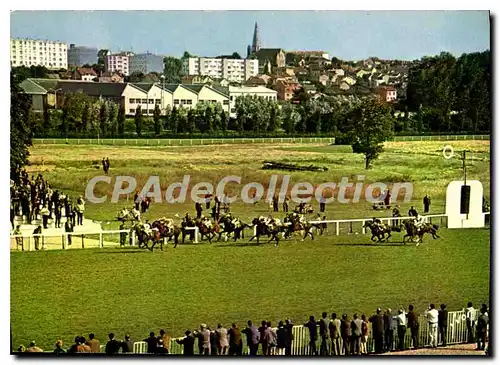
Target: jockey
(377,222)
(419,221)
(136,214)
(147,227)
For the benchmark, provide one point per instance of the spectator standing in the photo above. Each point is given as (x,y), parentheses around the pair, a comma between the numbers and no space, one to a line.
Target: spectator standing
(323,332)
(396,214)
(387,199)
(12,214)
(401,328)
(127,345)
(188,343)
(289,339)
(80,209)
(271,340)
(356,332)
(45,216)
(253,338)
(412,212)
(204,338)
(377,321)
(427,203)
(413,325)
(313,335)
(285,204)
(443,323)
(235,341)
(38,230)
(19,240)
(470,315)
(388,330)
(69,228)
(221,338)
(334,328)
(152,342)
(281,337)
(262,331)
(482,329)
(365,333)
(59,349)
(104,166)
(94,344)
(137,201)
(275,203)
(113,346)
(107,165)
(322,204)
(166,340)
(214,351)
(432,317)
(345,333)
(199,209)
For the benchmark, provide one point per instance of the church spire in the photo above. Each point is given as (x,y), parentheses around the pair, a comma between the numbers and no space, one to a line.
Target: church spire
(256,39)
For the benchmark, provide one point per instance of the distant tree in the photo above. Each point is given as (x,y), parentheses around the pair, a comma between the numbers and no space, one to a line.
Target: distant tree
(135,77)
(157,119)
(224,121)
(190,121)
(174,120)
(186,55)
(112,112)
(103,118)
(369,125)
(84,126)
(138,121)
(172,70)
(121,120)
(236,55)
(101,56)
(166,118)
(20,129)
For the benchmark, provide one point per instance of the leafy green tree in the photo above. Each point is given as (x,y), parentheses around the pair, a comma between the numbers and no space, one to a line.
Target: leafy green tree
(174,120)
(166,118)
(138,121)
(172,70)
(103,118)
(121,121)
(369,125)
(190,125)
(112,113)
(85,123)
(20,129)
(224,120)
(236,55)
(182,121)
(157,119)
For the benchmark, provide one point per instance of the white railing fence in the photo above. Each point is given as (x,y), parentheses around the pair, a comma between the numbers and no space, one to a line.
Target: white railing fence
(90,239)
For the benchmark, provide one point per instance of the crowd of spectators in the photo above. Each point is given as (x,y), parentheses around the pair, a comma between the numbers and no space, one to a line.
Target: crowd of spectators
(334,336)
(33,199)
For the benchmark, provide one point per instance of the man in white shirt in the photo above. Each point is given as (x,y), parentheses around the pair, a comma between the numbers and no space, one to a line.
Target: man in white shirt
(400,320)
(470,315)
(432,317)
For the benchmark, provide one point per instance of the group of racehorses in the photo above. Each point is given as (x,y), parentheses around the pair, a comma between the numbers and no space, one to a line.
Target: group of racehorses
(413,232)
(164,230)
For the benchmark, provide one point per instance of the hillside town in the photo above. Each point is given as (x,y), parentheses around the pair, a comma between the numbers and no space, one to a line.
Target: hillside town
(273,73)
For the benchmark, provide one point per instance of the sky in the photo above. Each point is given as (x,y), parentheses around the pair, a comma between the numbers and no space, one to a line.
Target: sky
(348,35)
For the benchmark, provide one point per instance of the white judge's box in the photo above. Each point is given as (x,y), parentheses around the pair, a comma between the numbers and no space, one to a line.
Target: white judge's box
(461,197)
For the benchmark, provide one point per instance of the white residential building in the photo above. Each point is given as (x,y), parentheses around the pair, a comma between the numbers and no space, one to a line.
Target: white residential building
(32,52)
(234,70)
(119,62)
(260,91)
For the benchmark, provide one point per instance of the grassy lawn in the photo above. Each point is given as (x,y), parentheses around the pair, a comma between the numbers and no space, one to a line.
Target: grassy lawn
(64,293)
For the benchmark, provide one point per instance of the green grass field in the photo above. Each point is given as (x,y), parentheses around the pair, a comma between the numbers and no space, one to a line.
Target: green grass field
(65,293)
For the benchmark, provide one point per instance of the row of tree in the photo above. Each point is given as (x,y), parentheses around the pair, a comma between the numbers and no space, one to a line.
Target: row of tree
(450,94)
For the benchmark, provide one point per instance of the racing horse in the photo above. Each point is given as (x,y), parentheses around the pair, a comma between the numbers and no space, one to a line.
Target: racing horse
(206,229)
(413,232)
(228,225)
(269,228)
(295,223)
(379,230)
